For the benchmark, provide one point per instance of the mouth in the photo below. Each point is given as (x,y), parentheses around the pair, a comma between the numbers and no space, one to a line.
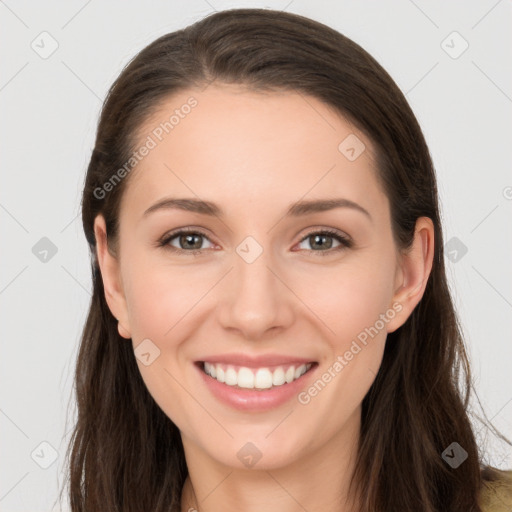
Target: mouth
(262,379)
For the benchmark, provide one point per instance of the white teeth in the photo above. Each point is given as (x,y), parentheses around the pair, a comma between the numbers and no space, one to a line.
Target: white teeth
(290,374)
(210,369)
(262,378)
(231,377)
(278,377)
(245,378)
(300,371)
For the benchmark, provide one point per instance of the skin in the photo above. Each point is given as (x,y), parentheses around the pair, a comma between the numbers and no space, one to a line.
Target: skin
(255,154)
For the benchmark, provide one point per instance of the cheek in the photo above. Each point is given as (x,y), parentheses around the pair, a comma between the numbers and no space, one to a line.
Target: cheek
(353,299)
(159,297)
(355,307)
(160,302)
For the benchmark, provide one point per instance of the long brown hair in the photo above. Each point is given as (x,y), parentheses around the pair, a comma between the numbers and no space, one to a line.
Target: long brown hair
(125,454)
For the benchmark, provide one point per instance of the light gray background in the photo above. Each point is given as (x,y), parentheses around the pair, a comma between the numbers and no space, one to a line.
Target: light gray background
(49,110)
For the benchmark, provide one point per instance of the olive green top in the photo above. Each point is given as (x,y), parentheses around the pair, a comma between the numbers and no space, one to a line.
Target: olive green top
(496,495)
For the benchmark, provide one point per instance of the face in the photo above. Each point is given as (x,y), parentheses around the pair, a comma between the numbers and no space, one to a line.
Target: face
(255,285)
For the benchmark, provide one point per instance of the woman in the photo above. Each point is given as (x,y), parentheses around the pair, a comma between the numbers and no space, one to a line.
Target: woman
(271,325)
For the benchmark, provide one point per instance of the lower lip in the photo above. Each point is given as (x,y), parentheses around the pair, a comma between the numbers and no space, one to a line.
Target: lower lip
(254,400)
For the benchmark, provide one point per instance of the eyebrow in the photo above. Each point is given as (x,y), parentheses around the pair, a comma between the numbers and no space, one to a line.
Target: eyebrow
(297,209)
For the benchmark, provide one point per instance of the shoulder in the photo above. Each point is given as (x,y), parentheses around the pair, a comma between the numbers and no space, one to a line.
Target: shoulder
(496,492)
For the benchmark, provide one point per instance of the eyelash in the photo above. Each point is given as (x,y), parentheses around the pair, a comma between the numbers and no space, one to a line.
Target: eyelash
(345,242)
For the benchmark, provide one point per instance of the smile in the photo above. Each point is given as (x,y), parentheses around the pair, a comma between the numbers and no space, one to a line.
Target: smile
(255,378)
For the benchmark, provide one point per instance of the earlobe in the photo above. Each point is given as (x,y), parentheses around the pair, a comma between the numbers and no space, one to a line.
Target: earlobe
(414,271)
(124,333)
(111,276)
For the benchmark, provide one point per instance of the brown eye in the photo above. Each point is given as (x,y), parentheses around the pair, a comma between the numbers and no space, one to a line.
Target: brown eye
(187,241)
(322,241)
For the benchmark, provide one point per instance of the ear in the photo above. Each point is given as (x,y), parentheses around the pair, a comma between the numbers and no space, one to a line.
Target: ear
(413,272)
(111,276)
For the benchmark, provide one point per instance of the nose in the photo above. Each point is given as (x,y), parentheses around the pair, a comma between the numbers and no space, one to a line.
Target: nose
(255,299)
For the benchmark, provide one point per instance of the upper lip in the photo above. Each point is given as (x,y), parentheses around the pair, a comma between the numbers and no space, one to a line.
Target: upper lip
(255,361)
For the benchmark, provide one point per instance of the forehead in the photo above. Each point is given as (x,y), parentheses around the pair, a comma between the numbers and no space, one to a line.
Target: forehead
(237,146)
